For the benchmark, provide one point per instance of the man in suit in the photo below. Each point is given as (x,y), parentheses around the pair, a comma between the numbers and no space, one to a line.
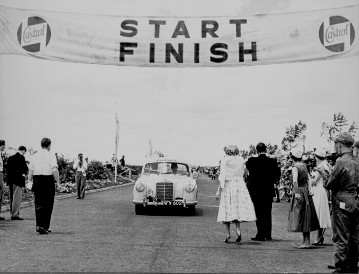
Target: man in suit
(263,174)
(16,170)
(2,148)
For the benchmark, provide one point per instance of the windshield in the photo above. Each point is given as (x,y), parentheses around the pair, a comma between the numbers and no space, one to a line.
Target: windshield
(166,168)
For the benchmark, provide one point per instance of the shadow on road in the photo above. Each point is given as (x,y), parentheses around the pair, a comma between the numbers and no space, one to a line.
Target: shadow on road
(164,211)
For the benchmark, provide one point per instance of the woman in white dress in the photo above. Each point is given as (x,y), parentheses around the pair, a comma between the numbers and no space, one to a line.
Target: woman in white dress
(320,197)
(235,204)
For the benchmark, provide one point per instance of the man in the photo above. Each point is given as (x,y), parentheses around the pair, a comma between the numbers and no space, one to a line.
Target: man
(44,173)
(174,168)
(263,174)
(16,171)
(356,149)
(276,187)
(80,166)
(2,148)
(343,182)
(122,162)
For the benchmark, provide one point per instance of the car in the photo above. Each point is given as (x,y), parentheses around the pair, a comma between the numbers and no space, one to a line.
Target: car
(165,182)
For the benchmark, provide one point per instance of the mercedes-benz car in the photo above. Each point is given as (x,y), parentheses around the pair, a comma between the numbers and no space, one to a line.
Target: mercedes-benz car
(165,182)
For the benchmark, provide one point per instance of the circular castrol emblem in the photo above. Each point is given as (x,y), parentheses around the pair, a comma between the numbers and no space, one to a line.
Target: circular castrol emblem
(336,33)
(34,34)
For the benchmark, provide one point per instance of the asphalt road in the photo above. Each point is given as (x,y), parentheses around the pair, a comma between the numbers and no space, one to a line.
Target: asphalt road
(102,233)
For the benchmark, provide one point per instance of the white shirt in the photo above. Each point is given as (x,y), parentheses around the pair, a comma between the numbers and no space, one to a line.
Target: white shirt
(43,162)
(83,168)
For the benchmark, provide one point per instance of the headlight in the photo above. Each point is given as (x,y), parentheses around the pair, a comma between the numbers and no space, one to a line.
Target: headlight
(140,187)
(149,192)
(189,187)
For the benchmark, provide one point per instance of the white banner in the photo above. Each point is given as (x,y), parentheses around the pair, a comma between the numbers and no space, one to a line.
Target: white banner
(181,41)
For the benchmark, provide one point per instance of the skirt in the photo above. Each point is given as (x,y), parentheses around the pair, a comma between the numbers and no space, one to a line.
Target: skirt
(321,204)
(235,203)
(302,215)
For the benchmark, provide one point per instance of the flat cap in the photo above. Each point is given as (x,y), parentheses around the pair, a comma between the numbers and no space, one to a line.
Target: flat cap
(345,138)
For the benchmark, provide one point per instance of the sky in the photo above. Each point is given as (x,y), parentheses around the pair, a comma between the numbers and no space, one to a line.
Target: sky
(189,113)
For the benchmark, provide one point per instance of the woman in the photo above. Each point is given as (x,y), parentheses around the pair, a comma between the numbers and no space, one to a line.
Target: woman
(302,215)
(320,197)
(235,204)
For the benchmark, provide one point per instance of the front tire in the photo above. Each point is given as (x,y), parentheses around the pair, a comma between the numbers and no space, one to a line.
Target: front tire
(192,210)
(139,209)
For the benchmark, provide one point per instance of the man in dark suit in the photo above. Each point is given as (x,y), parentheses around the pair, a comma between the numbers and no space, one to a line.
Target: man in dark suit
(263,174)
(16,170)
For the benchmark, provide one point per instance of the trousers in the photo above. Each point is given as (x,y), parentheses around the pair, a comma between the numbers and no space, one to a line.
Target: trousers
(80,180)
(15,199)
(263,208)
(345,219)
(1,188)
(44,192)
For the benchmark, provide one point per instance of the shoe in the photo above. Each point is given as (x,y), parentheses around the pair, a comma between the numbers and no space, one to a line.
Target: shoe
(41,230)
(260,239)
(226,240)
(277,201)
(16,218)
(2,218)
(331,266)
(78,198)
(320,242)
(239,239)
(302,246)
(82,198)
(48,230)
(268,238)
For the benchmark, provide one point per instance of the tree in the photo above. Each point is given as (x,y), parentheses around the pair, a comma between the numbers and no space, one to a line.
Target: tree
(293,134)
(339,124)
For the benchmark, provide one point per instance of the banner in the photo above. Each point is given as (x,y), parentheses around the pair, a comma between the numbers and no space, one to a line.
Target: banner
(181,41)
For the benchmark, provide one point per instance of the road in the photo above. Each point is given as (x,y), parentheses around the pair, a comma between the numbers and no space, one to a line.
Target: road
(102,233)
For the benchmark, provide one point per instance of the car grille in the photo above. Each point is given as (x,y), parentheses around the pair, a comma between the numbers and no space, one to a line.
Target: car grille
(164,191)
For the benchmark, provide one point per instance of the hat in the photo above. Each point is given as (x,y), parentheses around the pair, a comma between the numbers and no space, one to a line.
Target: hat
(297,153)
(320,152)
(356,144)
(345,138)
(231,150)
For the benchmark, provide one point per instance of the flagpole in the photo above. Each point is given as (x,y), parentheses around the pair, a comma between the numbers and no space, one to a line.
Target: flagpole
(116,141)
(149,140)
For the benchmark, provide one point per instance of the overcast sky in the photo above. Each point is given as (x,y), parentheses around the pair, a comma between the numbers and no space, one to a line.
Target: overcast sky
(190,113)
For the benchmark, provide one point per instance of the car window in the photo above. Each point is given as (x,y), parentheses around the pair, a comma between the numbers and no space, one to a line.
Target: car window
(167,168)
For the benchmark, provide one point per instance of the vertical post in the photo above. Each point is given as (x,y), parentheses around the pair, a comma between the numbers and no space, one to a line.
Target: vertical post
(116,141)
(129,174)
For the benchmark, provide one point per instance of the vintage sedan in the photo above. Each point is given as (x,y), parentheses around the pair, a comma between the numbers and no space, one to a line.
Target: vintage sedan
(165,182)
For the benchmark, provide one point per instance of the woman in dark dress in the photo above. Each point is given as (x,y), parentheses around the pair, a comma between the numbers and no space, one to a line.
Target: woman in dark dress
(302,215)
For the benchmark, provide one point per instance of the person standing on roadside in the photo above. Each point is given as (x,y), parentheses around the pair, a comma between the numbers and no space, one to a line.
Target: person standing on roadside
(2,148)
(122,162)
(302,215)
(44,174)
(80,166)
(320,196)
(343,182)
(16,172)
(356,149)
(235,204)
(263,174)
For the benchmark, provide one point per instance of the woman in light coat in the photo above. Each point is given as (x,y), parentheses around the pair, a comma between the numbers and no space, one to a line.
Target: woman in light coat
(235,204)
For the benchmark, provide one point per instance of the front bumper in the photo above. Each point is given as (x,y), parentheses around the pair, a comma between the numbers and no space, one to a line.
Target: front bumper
(183,203)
